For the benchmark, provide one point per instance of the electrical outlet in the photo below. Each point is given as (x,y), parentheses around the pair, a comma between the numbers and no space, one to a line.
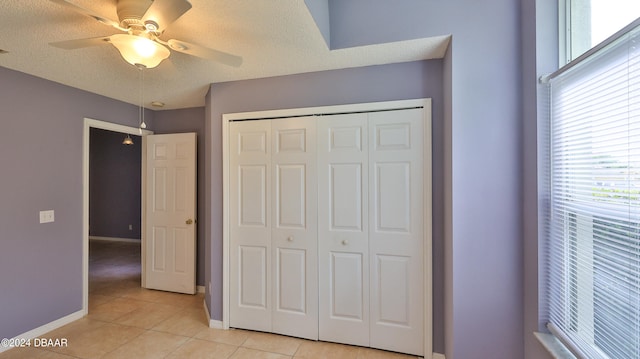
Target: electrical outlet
(47,216)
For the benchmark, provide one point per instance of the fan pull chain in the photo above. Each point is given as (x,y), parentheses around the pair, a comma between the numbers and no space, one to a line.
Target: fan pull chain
(143,125)
(140,99)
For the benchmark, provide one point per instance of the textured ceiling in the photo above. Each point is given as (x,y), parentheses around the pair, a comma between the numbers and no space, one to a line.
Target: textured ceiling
(273,37)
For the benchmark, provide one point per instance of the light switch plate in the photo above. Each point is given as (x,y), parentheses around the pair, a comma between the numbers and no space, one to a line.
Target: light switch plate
(47,216)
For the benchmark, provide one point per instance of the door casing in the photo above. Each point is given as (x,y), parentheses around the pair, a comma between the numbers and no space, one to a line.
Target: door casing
(90,123)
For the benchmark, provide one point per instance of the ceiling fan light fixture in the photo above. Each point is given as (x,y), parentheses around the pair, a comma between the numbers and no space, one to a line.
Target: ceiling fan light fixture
(138,50)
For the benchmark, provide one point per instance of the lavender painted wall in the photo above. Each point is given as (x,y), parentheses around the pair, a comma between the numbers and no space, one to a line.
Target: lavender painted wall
(365,22)
(114,185)
(41,155)
(421,79)
(190,120)
(319,10)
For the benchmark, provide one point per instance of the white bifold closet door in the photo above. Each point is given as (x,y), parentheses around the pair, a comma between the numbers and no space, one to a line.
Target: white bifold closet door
(327,229)
(343,229)
(396,230)
(370,230)
(250,225)
(273,221)
(294,228)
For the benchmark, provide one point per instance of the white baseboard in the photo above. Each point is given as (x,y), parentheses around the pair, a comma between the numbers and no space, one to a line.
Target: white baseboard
(215,324)
(114,239)
(438,356)
(47,327)
(200,289)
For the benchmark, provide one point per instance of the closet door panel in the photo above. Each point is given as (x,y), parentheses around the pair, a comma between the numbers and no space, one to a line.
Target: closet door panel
(346,196)
(394,298)
(252,261)
(396,233)
(393,196)
(250,225)
(252,187)
(291,281)
(294,227)
(291,201)
(346,286)
(343,229)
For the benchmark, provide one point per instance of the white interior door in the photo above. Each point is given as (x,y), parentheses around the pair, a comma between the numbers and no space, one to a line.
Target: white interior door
(343,229)
(170,205)
(294,227)
(396,230)
(250,225)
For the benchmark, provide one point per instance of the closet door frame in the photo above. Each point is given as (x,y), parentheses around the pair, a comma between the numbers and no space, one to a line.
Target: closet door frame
(326,110)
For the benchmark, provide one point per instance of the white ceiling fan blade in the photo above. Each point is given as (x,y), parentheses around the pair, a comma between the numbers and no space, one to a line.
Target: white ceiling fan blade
(165,12)
(80,43)
(205,53)
(89,13)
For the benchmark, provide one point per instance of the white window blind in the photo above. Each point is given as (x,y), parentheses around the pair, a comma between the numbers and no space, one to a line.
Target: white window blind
(594,217)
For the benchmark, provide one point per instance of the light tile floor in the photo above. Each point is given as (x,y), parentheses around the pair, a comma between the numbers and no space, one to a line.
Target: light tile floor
(126,321)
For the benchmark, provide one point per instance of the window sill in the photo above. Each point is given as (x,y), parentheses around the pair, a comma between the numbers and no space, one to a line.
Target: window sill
(554,346)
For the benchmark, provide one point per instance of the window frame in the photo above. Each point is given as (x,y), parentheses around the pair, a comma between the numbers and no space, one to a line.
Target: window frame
(569,24)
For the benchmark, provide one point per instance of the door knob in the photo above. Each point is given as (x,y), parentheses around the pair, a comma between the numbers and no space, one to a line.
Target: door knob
(189,221)
(345,242)
(290,239)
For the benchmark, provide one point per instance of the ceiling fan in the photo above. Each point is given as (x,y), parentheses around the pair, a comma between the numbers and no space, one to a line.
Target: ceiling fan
(143,22)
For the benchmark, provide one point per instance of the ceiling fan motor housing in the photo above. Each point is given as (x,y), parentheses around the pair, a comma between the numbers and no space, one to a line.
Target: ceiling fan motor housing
(132,9)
